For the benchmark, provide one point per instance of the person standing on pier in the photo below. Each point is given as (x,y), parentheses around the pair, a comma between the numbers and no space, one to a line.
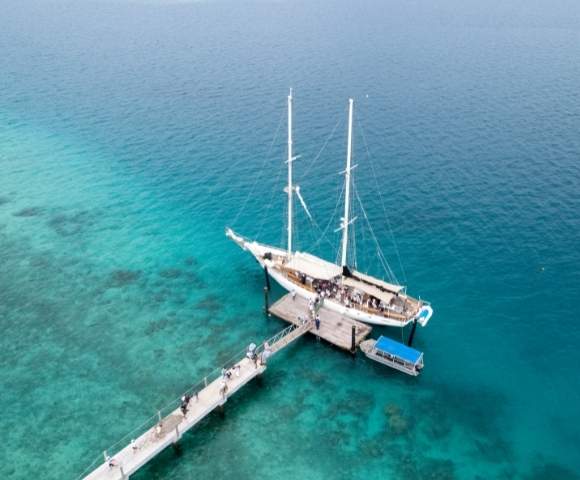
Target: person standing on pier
(251,353)
(185,404)
(223,388)
(111,461)
(267,353)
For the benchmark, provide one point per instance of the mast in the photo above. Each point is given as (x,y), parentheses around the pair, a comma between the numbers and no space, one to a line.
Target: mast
(345,219)
(290,160)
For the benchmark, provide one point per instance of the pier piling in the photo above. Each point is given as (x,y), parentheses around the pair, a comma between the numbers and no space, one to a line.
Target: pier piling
(267,278)
(266,302)
(412,334)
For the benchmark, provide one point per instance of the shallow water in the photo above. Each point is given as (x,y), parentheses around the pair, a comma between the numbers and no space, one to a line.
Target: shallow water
(131,133)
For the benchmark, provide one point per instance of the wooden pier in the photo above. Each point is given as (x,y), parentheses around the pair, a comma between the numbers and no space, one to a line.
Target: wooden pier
(119,465)
(334,328)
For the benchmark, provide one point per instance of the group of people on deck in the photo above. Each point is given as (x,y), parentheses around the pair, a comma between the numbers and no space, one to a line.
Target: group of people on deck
(347,296)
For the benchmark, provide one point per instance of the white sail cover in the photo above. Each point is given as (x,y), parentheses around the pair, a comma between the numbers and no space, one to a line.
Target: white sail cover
(383,296)
(391,287)
(313,266)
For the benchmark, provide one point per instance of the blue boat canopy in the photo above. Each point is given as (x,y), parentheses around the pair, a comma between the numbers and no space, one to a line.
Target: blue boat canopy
(397,349)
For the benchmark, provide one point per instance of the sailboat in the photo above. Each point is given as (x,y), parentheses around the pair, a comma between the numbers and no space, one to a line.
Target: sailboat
(340,287)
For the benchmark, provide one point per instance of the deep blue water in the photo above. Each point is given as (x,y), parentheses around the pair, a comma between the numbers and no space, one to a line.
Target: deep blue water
(132,132)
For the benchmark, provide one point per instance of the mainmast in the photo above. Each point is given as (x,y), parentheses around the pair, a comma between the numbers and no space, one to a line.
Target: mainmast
(345,219)
(290,160)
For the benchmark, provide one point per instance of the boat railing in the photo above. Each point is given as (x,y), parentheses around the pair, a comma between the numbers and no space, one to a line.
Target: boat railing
(272,341)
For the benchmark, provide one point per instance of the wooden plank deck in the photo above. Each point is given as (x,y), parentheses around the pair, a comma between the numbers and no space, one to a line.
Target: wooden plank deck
(170,429)
(334,328)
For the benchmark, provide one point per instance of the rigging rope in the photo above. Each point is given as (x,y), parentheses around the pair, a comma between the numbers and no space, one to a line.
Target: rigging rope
(323,235)
(313,161)
(380,254)
(271,201)
(371,162)
(305,174)
(262,170)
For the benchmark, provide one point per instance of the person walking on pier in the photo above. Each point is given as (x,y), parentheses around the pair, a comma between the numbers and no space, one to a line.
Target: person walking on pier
(223,388)
(251,353)
(111,461)
(317,321)
(185,404)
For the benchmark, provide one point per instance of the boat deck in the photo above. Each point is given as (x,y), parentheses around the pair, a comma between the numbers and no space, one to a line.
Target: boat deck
(334,328)
(409,306)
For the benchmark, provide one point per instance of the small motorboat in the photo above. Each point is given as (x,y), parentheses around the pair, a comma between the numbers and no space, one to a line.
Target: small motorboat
(394,354)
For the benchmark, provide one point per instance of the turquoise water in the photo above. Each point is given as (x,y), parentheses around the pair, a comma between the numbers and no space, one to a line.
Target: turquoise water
(132,132)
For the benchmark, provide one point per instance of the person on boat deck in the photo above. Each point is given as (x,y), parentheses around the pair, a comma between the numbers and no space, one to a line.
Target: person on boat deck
(317,321)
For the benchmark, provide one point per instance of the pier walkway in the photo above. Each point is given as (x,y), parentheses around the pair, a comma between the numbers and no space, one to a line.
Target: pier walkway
(133,452)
